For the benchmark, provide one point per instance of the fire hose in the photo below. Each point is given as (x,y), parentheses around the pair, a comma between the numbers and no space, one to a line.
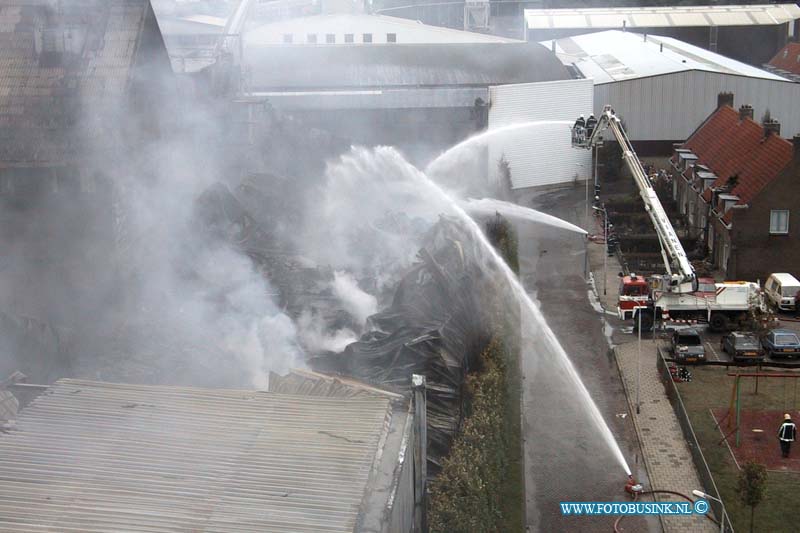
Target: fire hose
(631,488)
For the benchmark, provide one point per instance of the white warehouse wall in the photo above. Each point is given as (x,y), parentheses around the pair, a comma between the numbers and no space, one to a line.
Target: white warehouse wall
(671,106)
(540,155)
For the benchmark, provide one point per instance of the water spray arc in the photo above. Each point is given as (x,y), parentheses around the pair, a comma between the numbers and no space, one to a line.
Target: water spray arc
(489,206)
(532,309)
(476,140)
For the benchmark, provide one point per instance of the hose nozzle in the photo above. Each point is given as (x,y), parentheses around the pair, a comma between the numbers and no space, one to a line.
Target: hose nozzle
(632,487)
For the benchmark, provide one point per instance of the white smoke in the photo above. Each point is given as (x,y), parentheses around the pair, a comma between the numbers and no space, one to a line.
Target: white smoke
(316,337)
(355,301)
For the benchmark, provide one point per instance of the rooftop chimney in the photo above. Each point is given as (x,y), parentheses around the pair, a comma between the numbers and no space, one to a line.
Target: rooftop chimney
(772,126)
(724,99)
(746,111)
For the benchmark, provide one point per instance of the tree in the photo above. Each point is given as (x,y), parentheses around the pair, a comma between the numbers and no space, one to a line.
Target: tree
(752,486)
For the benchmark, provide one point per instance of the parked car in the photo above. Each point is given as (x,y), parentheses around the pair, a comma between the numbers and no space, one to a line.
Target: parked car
(781,289)
(781,343)
(687,346)
(742,347)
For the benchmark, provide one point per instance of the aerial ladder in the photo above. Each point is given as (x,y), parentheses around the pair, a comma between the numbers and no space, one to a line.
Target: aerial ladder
(676,295)
(680,277)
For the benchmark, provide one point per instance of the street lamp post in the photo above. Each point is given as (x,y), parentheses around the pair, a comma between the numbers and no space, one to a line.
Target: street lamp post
(580,174)
(602,209)
(639,363)
(605,255)
(701,494)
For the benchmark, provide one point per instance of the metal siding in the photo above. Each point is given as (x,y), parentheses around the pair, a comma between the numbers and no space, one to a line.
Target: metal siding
(540,155)
(671,107)
(412,98)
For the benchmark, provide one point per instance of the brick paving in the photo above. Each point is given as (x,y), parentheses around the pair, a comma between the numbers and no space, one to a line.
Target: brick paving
(665,451)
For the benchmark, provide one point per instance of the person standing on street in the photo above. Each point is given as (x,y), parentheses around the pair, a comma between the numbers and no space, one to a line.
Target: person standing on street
(786,435)
(797,305)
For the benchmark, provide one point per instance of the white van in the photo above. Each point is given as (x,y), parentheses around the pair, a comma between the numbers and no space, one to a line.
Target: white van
(781,289)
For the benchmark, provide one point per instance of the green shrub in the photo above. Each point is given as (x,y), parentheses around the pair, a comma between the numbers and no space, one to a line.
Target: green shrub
(468,494)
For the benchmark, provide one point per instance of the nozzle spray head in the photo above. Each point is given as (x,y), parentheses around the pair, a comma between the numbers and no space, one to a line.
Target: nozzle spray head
(632,487)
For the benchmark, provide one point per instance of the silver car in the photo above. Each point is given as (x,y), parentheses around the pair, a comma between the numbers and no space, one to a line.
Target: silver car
(687,346)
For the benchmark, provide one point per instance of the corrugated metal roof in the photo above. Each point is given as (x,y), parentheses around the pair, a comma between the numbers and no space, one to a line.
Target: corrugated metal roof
(378,26)
(41,89)
(667,16)
(615,55)
(90,456)
(292,68)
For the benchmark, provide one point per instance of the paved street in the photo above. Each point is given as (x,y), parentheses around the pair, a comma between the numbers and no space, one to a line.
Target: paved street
(566,458)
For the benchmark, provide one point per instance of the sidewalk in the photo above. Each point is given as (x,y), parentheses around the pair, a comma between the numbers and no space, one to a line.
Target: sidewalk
(665,451)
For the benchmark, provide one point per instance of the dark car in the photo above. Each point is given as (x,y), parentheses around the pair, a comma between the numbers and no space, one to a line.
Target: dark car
(687,346)
(743,347)
(781,343)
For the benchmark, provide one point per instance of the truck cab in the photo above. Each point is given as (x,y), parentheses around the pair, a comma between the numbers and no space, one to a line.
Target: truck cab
(634,292)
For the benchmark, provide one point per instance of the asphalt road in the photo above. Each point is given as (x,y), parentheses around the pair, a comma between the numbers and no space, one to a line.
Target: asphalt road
(566,458)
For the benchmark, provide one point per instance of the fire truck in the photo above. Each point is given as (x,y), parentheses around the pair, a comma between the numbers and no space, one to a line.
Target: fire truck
(678,295)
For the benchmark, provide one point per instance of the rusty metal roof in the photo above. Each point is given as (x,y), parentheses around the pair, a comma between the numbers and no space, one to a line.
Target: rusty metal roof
(56,61)
(90,456)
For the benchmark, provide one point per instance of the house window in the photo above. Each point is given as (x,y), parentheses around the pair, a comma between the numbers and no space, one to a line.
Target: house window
(348,37)
(330,38)
(785,53)
(391,37)
(779,222)
(367,37)
(311,38)
(287,38)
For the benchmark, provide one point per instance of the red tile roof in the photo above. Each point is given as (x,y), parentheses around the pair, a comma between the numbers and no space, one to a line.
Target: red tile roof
(728,146)
(788,58)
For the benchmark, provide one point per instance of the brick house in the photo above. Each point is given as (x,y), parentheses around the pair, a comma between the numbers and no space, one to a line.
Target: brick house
(738,184)
(786,62)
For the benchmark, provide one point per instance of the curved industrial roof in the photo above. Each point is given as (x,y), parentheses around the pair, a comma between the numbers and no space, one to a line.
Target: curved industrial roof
(654,17)
(615,55)
(399,66)
(406,31)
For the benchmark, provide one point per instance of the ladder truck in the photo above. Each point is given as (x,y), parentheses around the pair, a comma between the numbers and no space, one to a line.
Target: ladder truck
(677,295)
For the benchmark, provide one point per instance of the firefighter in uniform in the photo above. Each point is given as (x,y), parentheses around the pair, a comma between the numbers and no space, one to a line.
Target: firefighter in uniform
(579,130)
(591,122)
(786,435)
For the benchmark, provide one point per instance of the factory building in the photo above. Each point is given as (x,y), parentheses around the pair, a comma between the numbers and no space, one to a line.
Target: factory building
(662,87)
(748,33)
(384,80)
(311,454)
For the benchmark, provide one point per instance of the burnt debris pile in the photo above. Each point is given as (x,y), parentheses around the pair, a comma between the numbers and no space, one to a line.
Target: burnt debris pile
(436,325)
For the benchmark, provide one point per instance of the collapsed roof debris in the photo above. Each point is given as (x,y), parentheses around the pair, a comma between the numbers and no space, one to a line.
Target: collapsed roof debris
(436,326)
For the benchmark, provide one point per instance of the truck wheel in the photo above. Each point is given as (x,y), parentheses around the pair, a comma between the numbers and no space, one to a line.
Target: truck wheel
(647,321)
(718,322)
